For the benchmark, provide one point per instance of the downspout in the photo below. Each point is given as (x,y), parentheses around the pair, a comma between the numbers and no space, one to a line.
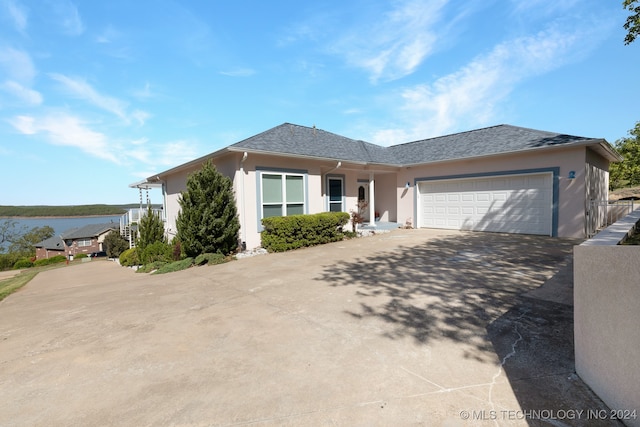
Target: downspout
(332,169)
(243,225)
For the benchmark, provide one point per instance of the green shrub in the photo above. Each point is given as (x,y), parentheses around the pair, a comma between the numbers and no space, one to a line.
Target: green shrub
(175,266)
(283,233)
(79,256)
(130,257)
(23,263)
(48,261)
(210,259)
(148,268)
(208,218)
(157,251)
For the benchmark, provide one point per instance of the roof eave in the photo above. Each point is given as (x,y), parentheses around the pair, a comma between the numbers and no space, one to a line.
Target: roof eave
(603,148)
(292,155)
(156,178)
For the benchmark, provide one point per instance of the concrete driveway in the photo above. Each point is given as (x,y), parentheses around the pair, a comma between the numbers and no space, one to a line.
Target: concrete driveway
(414,327)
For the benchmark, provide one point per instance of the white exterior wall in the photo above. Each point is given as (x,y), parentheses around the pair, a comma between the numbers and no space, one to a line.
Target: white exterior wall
(571,192)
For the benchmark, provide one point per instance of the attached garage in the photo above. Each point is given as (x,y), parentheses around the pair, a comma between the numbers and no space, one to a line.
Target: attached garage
(509,203)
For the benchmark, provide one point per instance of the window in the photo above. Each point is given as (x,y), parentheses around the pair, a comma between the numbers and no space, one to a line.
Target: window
(335,194)
(282,194)
(83,242)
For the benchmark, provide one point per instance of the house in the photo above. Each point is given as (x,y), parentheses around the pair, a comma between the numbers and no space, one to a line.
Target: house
(83,240)
(501,178)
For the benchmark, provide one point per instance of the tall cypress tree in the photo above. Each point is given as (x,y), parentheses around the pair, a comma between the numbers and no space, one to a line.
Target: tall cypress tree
(208,217)
(151,229)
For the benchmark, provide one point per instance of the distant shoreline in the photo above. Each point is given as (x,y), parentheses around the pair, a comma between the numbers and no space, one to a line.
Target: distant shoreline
(58,216)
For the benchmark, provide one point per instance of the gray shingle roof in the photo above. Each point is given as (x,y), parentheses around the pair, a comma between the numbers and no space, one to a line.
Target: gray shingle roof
(312,142)
(89,230)
(54,243)
(481,142)
(305,141)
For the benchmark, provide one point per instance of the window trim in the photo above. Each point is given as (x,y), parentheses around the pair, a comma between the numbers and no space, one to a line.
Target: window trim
(260,171)
(83,243)
(343,201)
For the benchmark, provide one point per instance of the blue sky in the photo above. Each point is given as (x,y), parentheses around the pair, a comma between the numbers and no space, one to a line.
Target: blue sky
(95,95)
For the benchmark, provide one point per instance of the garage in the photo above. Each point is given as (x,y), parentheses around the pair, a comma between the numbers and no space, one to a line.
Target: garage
(508,203)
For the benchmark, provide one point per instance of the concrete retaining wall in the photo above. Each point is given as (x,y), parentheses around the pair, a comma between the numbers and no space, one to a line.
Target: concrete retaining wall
(607,317)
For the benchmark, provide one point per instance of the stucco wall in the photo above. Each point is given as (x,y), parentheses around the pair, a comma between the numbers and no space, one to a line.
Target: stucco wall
(606,317)
(571,218)
(246,187)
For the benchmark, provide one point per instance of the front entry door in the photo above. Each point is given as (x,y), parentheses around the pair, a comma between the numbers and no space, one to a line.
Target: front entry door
(363,201)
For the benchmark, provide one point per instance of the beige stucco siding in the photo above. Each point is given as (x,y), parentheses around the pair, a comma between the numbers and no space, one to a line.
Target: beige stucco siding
(570,197)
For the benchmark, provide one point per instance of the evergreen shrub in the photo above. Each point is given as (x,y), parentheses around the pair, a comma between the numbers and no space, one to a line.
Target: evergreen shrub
(283,233)
(23,263)
(210,259)
(157,251)
(48,261)
(130,257)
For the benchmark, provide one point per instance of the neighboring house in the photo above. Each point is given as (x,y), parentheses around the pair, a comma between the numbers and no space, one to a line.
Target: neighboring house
(83,240)
(502,178)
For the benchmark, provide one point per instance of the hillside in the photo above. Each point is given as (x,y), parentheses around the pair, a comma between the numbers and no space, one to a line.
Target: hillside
(78,210)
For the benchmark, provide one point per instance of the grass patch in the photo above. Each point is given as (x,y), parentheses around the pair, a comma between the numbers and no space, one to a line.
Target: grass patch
(9,286)
(634,239)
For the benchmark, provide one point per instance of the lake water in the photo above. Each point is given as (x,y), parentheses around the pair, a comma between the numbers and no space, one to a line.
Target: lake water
(62,224)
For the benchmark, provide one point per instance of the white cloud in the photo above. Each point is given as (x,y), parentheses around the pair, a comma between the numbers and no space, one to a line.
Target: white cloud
(17,65)
(66,130)
(79,88)
(397,44)
(175,152)
(83,90)
(238,72)
(108,35)
(23,94)
(18,15)
(469,97)
(140,116)
(144,93)
(66,15)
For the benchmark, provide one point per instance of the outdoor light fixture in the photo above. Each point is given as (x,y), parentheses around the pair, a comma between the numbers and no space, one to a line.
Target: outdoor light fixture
(408,185)
(572,175)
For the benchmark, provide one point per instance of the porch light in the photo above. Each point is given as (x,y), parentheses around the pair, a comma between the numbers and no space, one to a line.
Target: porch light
(408,185)
(572,175)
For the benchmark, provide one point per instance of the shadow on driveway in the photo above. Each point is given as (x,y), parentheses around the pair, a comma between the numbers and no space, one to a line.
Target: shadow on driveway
(470,288)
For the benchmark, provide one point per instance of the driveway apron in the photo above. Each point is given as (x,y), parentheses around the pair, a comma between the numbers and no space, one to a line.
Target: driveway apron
(412,327)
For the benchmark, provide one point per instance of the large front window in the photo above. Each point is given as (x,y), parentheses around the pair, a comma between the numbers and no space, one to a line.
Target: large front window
(282,194)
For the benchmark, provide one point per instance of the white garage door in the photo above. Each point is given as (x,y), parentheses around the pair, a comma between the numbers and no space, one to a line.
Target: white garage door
(507,204)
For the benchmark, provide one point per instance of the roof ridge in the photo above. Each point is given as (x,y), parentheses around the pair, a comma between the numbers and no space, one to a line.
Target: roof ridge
(451,134)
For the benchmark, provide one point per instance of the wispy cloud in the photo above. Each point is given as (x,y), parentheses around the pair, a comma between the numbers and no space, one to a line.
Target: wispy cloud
(80,89)
(470,96)
(175,152)
(17,65)
(165,154)
(19,72)
(396,45)
(17,13)
(145,93)
(238,72)
(67,17)
(64,129)
(21,93)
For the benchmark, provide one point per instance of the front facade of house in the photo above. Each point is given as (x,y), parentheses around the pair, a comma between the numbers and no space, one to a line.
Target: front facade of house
(500,179)
(84,240)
